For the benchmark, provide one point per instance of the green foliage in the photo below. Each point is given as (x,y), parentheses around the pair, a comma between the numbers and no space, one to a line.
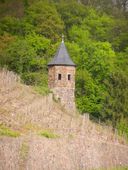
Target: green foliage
(116,102)
(19,55)
(35,78)
(97,39)
(5,131)
(42,90)
(95,62)
(122,127)
(5,41)
(28,57)
(49,134)
(38,42)
(119,34)
(9,24)
(72,13)
(96,56)
(89,94)
(44,17)
(100,60)
(99,25)
(79,35)
(26,3)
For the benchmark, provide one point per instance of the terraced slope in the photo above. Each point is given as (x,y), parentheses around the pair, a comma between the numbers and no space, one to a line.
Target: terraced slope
(50,138)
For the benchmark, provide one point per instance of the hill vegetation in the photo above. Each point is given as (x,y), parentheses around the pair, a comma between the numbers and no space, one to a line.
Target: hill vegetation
(96,34)
(37,133)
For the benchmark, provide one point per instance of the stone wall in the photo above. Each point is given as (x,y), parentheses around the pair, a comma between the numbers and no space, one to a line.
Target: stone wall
(63,89)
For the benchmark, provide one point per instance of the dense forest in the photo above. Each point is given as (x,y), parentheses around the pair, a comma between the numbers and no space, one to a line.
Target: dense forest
(96,35)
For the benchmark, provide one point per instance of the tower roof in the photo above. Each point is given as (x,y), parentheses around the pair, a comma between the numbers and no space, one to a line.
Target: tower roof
(62,57)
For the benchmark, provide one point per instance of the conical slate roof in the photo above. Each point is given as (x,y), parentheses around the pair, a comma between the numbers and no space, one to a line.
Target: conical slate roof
(62,57)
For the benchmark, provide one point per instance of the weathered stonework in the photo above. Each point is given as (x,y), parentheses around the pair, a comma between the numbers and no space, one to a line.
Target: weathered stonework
(62,77)
(63,89)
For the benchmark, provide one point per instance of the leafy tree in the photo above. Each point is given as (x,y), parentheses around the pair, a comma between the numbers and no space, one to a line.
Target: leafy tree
(89,95)
(26,56)
(38,42)
(5,40)
(72,13)
(97,37)
(98,24)
(116,102)
(15,26)
(26,3)
(44,17)
(9,24)
(122,127)
(79,35)
(93,67)
(119,36)
(19,55)
(96,57)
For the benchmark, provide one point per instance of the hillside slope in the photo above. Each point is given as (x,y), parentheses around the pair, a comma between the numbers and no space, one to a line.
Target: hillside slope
(50,138)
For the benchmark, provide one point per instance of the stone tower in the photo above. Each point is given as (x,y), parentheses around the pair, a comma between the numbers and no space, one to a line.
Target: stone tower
(61,77)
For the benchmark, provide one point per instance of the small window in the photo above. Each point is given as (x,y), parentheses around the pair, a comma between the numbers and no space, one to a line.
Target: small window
(69,77)
(59,76)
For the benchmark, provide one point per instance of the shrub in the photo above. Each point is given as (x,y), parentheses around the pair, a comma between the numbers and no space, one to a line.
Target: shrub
(5,131)
(42,90)
(49,134)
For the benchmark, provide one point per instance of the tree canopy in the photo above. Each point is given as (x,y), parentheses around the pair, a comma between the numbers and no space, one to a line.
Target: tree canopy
(97,39)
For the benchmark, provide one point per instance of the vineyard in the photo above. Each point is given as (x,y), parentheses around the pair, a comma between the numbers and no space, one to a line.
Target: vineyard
(37,133)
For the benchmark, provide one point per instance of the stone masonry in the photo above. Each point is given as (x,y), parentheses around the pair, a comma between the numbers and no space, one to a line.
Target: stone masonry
(61,75)
(63,89)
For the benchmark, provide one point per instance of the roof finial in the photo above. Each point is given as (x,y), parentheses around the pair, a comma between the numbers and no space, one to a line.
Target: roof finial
(62,38)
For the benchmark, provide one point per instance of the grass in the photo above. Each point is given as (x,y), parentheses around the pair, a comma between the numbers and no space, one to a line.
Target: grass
(5,131)
(49,134)
(24,150)
(42,90)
